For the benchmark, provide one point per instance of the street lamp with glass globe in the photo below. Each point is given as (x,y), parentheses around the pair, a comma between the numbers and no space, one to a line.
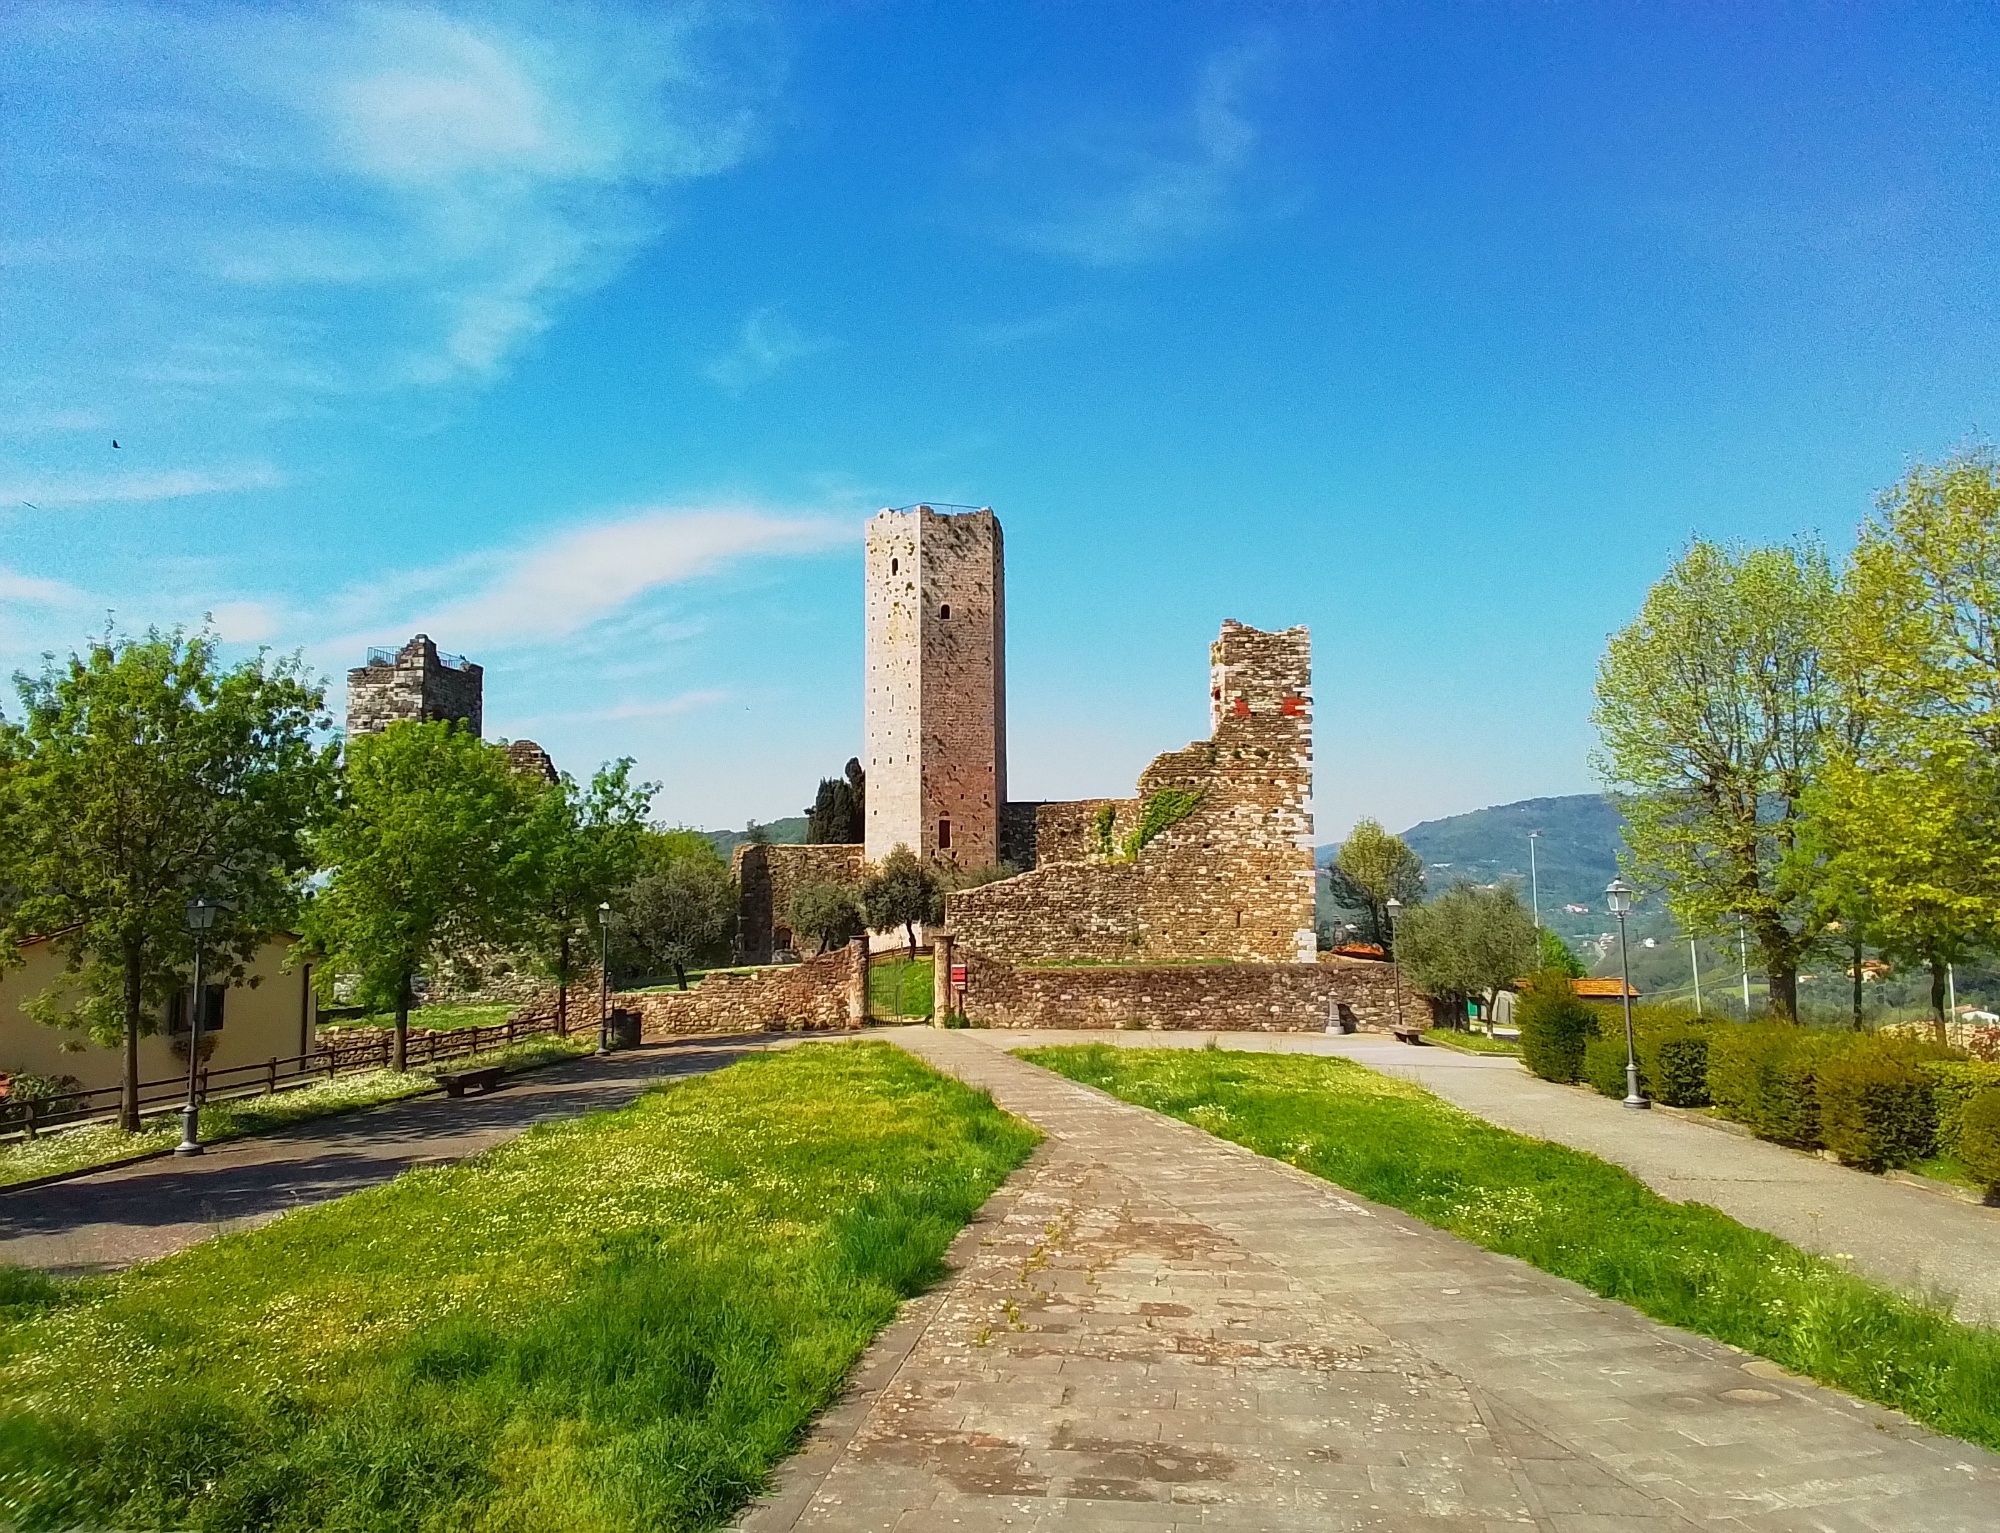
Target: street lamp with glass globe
(201,912)
(1395,909)
(1619,896)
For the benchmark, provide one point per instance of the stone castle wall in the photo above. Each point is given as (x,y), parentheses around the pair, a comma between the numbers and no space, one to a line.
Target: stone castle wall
(936,687)
(415,687)
(1233,880)
(1225,997)
(766,877)
(824,994)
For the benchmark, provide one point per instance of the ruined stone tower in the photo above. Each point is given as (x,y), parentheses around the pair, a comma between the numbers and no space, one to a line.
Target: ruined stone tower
(414,683)
(936,685)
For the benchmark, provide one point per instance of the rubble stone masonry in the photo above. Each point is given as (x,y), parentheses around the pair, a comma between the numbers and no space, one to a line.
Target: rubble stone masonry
(824,994)
(936,685)
(417,685)
(1356,993)
(766,877)
(1233,880)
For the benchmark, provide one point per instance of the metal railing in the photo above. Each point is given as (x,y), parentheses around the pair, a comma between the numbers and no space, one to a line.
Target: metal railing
(379,656)
(341,1056)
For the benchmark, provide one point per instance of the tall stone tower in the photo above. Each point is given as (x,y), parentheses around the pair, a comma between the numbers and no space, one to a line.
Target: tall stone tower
(415,683)
(937,685)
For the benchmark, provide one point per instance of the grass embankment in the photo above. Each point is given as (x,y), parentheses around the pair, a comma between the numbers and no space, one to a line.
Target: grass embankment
(1571,1214)
(618,1322)
(1470,1042)
(98,1144)
(449,1019)
(900,989)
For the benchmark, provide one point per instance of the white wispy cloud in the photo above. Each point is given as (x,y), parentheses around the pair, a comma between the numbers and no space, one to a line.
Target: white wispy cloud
(143,485)
(588,574)
(31,588)
(997,335)
(644,708)
(290,203)
(766,345)
(1146,193)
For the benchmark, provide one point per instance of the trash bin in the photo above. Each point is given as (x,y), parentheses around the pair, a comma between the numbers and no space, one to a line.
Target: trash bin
(624,1029)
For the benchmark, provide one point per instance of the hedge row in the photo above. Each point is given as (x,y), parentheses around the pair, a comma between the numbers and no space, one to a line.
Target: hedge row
(1876,1101)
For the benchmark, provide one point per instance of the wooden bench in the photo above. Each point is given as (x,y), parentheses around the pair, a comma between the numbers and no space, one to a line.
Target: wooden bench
(457,1082)
(1408,1034)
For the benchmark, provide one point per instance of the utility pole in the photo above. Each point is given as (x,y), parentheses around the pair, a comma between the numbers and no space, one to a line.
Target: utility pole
(1743,954)
(1534,879)
(1694,958)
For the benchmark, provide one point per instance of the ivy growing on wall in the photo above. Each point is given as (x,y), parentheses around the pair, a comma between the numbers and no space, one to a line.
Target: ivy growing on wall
(1163,810)
(1101,822)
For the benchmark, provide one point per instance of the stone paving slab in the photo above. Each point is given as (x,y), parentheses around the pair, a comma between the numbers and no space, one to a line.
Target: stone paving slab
(1921,1241)
(1153,1328)
(111,1219)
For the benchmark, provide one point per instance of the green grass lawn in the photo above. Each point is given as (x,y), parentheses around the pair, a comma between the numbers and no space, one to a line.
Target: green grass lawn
(617,1322)
(444,1019)
(98,1144)
(898,987)
(1571,1214)
(1470,1042)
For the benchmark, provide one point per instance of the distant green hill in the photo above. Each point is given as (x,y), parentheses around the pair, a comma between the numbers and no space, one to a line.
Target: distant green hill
(790,831)
(1576,854)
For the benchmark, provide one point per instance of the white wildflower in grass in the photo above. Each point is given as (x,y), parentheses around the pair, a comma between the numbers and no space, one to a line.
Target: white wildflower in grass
(677,1284)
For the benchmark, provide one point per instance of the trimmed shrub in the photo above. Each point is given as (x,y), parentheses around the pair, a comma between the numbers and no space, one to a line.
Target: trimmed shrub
(1877,1108)
(1979,1140)
(1555,1026)
(1673,1063)
(1955,1083)
(1764,1075)
(1604,1065)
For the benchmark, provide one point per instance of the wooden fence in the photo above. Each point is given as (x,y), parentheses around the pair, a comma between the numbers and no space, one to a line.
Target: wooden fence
(366,1049)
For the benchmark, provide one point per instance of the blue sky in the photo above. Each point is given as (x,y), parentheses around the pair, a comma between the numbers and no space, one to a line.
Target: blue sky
(586,337)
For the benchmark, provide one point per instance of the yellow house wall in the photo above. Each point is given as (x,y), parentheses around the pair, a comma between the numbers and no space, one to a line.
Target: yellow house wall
(270,1013)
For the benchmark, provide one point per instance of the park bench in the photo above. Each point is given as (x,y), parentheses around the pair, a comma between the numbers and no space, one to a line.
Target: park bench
(457,1082)
(1408,1034)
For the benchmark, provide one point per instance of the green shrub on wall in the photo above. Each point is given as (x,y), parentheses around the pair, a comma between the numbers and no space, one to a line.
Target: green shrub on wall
(1979,1140)
(1101,823)
(1877,1108)
(1673,1062)
(1764,1075)
(1604,1066)
(1163,810)
(1955,1084)
(1555,1026)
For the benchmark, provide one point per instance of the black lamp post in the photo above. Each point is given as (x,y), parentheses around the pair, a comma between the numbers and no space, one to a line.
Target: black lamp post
(1395,908)
(200,918)
(604,978)
(1619,897)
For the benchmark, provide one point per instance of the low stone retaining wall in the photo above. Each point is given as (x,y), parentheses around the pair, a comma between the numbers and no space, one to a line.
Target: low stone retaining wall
(1224,997)
(824,994)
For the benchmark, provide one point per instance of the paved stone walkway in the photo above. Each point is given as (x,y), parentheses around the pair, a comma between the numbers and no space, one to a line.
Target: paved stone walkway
(135,1213)
(1921,1241)
(1153,1328)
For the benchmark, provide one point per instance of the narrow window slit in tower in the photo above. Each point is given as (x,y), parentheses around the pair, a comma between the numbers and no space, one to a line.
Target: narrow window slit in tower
(945,610)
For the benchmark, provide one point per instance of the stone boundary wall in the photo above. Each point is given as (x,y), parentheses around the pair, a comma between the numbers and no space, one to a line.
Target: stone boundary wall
(824,994)
(1221,997)
(766,877)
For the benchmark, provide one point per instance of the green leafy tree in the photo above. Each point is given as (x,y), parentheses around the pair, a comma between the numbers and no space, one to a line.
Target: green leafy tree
(827,911)
(1467,942)
(678,915)
(838,815)
(143,774)
(1906,801)
(586,844)
(902,892)
(1713,710)
(430,857)
(1555,956)
(1372,868)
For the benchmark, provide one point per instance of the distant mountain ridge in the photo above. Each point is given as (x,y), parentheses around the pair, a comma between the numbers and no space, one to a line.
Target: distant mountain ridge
(1576,854)
(790,831)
